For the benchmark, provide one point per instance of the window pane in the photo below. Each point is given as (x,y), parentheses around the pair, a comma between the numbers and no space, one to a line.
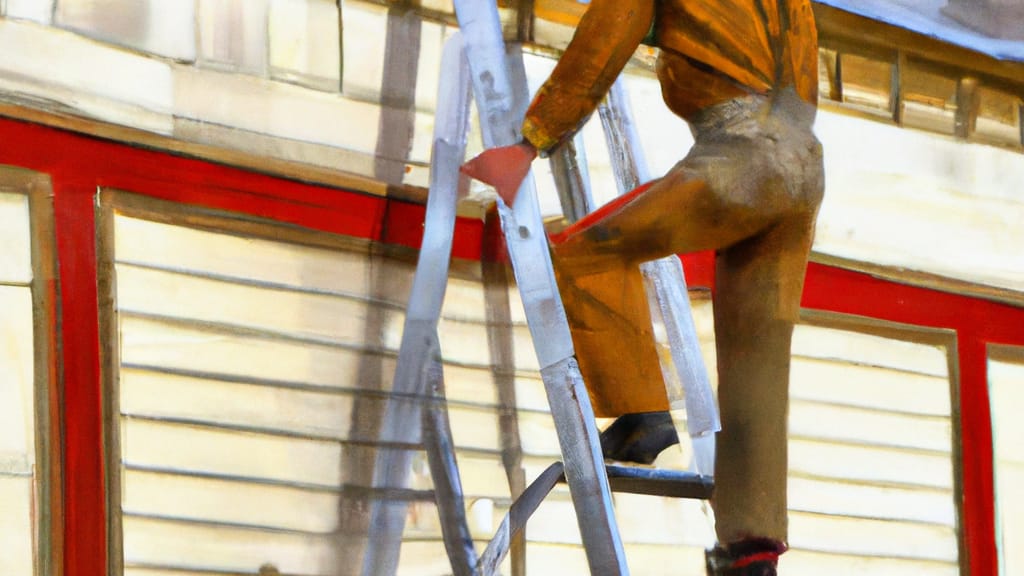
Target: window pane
(867,83)
(15,253)
(37,10)
(304,45)
(164,27)
(555,21)
(17,439)
(870,456)
(999,119)
(828,86)
(16,524)
(928,100)
(233,34)
(17,435)
(365,40)
(445,6)
(1006,395)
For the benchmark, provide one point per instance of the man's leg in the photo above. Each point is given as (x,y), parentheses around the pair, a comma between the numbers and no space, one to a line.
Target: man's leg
(597,267)
(758,285)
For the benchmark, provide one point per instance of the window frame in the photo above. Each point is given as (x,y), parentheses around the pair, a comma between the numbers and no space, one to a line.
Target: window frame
(47,520)
(916,334)
(1010,354)
(113,202)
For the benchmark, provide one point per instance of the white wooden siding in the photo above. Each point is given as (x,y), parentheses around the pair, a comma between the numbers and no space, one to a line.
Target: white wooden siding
(240,369)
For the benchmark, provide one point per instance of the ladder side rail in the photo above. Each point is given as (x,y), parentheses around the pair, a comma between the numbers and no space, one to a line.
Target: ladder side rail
(500,342)
(444,470)
(500,90)
(419,336)
(572,180)
(667,282)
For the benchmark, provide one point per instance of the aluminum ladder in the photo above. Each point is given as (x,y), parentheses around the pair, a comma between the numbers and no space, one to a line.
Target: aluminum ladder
(478,57)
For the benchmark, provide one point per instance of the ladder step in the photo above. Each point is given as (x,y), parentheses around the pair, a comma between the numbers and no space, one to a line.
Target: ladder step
(655,482)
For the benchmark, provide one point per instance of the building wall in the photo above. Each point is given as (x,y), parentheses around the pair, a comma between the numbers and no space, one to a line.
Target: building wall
(926,201)
(894,196)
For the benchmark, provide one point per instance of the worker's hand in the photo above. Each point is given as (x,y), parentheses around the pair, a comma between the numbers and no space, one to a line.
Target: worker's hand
(504,168)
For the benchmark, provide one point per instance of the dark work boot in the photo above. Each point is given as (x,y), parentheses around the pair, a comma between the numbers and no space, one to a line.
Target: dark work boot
(753,557)
(638,437)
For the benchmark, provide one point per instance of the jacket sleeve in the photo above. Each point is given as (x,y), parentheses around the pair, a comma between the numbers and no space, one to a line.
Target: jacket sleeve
(606,37)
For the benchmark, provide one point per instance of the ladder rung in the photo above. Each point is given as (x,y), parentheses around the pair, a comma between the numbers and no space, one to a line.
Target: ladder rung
(655,482)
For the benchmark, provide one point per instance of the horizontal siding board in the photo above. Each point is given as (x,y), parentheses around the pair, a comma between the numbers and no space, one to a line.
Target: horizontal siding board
(159,542)
(473,428)
(160,343)
(537,434)
(145,393)
(515,302)
(331,319)
(155,340)
(522,346)
(868,350)
(137,570)
(209,254)
(425,558)
(869,387)
(662,522)
(860,425)
(326,317)
(483,476)
(866,501)
(229,502)
(655,560)
(552,524)
(466,386)
(798,561)
(870,464)
(207,450)
(257,456)
(872,537)
(189,249)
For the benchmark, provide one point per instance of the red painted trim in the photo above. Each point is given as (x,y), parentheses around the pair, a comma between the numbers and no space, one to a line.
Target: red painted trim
(79,164)
(849,292)
(700,269)
(98,163)
(977,456)
(84,496)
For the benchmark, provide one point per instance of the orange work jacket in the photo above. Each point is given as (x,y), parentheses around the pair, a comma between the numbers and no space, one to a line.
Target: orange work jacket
(712,50)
